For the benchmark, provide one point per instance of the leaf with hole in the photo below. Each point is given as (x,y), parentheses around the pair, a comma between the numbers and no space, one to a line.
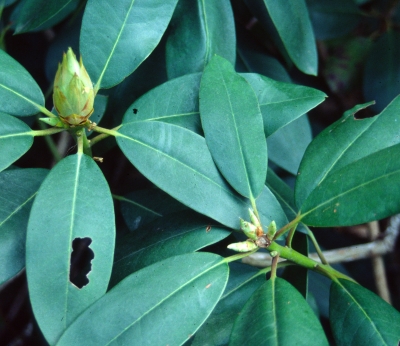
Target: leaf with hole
(359,317)
(18,189)
(73,203)
(272,310)
(233,127)
(174,234)
(15,139)
(200,29)
(193,282)
(108,30)
(19,93)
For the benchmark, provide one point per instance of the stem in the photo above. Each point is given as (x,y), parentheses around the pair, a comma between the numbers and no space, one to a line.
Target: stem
(98,138)
(86,144)
(46,132)
(79,140)
(290,236)
(316,245)
(239,256)
(50,143)
(112,132)
(254,206)
(288,226)
(274,267)
(45,111)
(306,262)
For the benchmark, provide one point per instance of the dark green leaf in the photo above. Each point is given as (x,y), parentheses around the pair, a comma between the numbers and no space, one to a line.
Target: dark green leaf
(19,93)
(18,189)
(174,234)
(346,141)
(362,191)
(175,102)
(189,173)
(294,27)
(281,103)
(332,19)
(15,139)
(233,127)
(381,82)
(200,29)
(359,317)
(243,281)
(73,202)
(36,13)
(164,303)
(277,314)
(143,206)
(117,36)
(286,146)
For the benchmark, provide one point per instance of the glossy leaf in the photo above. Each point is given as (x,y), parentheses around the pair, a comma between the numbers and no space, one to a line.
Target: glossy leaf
(15,139)
(332,19)
(200,29)
(286,147)
(189,173)
(175,102)
(381,69)
(73,202)
(281,103)
(19,93)
(191,282)
(233,127)
(277,314)
(362,191)
(359,317)
(117,36)
(294,27)
(143,206)
(18,189)
(346,141)
(243,281)
(36,13)
(175,234)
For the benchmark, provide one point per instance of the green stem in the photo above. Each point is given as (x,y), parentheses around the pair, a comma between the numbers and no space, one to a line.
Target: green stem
(50,143)
(79,140)
(239,256)
(274,267)
(288,226)
(86,144)
(306,262)
(112,132)
(254,206)
(46,132)
(45,111)
(316,245)
(98,138)
(290,236)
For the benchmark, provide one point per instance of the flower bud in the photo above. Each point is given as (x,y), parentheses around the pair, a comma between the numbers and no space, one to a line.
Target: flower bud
(271,230)
(249,229)
(244,246)
(73,94)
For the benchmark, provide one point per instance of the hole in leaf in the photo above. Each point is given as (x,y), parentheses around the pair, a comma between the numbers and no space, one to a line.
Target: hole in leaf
(135,111)
(80,264)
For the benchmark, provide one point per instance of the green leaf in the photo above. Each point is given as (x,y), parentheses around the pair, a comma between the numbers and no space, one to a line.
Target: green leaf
(73,202)
(189,173)
(200,29)
(36,13)
(175,102)
(15,139)
(286,146)
(175,234)
(233,127)
(277,314)
(117,36)
(345,141)
(332,19)
(294,27)
(381,69)
(132,310)
(19,93)
(362,191)
(243,281)
(281,103)
(359,317)
(18,189)
(143,206)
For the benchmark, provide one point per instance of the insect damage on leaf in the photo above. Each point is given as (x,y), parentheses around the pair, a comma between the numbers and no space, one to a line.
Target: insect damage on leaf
(80,265)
